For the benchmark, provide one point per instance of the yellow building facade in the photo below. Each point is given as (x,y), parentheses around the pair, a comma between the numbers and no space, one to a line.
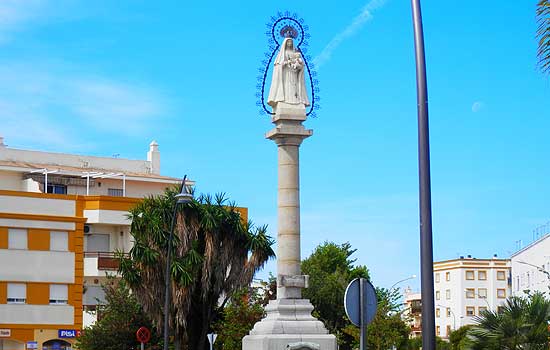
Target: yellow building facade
(62,217)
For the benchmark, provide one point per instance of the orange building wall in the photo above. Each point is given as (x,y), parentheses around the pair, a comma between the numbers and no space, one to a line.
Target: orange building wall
(38,293)
(3,292)
(38,239)
(3,238)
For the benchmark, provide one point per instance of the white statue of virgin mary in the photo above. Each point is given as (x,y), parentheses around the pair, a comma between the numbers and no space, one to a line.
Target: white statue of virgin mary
(288,84)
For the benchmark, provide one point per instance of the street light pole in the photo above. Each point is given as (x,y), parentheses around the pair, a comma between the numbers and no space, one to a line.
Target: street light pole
(401,281)
(426,247)
(540,269)
(452,313)
(181,198)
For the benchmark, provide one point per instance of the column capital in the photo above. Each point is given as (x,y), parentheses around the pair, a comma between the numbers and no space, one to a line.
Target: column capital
(288,130)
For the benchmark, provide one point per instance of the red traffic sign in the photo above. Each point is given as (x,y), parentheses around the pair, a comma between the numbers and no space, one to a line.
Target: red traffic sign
(143,335)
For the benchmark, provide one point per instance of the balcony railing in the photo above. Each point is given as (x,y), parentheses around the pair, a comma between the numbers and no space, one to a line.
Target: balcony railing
(106,261)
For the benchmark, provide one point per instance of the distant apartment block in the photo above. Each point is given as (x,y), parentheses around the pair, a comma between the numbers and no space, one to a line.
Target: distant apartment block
(62,216)
(464,287)
(413,312)
(531,267)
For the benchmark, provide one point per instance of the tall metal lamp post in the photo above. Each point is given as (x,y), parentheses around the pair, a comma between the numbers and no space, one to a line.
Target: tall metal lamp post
(401,281)
(181,198)
(426,248)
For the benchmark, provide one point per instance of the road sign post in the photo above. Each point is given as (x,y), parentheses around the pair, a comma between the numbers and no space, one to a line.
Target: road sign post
(143,336)
(360,303)
(211,339)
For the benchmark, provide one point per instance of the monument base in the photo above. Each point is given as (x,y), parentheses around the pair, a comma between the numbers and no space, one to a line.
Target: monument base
(288,321)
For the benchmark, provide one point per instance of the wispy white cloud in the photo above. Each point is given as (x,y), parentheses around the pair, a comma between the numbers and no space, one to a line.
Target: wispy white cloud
(15,14)
(356,24)
(49,103)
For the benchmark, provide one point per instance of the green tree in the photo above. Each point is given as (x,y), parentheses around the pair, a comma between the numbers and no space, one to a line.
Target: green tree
(543,34)
(245,308)
(120,318)
(330,269)
(214,253)
(388,328)
(416,344)
(521,324)
(459,338)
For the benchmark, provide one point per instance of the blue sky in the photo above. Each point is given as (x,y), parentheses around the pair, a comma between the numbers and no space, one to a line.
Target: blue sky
(108,77)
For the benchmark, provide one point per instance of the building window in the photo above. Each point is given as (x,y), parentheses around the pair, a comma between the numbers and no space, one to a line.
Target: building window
(470,293)
(437,295)
(437,312)
(59,241)
(481,309)
(500,309)
(448,312)
(482,293)
(448,330)
(56,189)
(501,275)
(470,275)
(115,192)
(448,294)
(501,293)
(437,278)
(17,238)
(17,293)
(59,294)
(482,275)
(517,283)
(470,311)
(437,330)
(447,276)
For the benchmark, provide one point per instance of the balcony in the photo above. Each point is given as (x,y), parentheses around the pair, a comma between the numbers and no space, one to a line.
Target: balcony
(99,264)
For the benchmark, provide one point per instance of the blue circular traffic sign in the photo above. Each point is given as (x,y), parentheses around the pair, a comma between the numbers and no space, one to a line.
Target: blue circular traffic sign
(352,301)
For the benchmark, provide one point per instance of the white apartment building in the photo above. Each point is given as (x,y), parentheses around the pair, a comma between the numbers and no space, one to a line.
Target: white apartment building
(62,216)
(413,312)
(531,267)
(465,287)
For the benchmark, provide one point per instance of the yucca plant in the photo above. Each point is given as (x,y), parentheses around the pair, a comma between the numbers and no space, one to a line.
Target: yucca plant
(521,324)
(214,253)
(543,34)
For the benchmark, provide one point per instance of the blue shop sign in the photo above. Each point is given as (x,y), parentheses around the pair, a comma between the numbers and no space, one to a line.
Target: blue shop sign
(67,333)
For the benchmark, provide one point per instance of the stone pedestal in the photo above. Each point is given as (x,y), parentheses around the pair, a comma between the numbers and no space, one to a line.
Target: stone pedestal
(289,319)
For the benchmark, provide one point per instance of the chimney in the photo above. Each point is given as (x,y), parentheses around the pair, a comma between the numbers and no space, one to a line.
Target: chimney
(153,157)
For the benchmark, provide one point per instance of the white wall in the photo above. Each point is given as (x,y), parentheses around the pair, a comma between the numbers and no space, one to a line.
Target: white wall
(10,181)
(527,277)
(38,206)
(36,266)
(458,285)
(73,160)
(110,217)
(36,314)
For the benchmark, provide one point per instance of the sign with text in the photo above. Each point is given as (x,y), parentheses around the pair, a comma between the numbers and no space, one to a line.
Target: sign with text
(68,333)
(32,345)
(5,333)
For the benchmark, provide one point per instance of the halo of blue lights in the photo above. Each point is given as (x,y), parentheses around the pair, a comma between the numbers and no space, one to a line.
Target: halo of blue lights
(279,27)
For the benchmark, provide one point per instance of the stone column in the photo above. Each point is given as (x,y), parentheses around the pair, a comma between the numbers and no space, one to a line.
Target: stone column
(289,319)
(288,135)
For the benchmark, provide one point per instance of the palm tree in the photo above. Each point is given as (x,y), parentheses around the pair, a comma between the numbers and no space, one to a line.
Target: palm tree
(214,253)
(543,33)
(521,324)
